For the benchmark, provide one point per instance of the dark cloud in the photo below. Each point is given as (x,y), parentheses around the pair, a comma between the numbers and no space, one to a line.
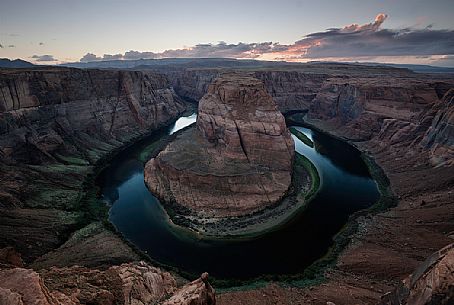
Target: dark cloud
(112,57)
(44,58)
(371,40)
(90,57)
(222,49)
(127,56)
(367,40)
(139,55)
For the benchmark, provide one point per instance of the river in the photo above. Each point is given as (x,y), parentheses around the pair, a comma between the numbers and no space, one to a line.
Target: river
(346,187)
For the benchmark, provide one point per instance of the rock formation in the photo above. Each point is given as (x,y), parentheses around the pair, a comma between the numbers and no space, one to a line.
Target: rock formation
(237,161)
(198,292)
(130,284)
(431,283)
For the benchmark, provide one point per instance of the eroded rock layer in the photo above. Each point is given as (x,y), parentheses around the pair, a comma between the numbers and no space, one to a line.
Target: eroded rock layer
(237,161)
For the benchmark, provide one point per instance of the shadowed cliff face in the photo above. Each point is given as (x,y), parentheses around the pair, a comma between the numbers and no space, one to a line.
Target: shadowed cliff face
(391,113)
(55,124)
(49,112)
(237,161)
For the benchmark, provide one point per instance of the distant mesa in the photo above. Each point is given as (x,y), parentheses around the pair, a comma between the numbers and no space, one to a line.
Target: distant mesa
(237,160)
(17,63)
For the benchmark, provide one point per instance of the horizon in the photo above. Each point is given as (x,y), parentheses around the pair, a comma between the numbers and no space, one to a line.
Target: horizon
(389,32)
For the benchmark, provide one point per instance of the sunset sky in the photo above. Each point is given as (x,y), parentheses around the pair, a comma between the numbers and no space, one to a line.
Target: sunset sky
(398,31)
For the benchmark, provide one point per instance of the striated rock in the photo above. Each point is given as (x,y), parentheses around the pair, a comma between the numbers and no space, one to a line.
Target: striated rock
(50,111)
(131,283)
(198,292)
(431,283)
(237,161)
(439,137)
(143,284)
(192,84)
(292,90)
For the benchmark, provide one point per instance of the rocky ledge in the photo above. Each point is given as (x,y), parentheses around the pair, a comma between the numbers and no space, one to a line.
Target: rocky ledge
(236,162)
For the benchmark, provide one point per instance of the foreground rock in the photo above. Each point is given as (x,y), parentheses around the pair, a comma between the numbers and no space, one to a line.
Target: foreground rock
(431,283)
(198,292)
(130,284)
(237,161)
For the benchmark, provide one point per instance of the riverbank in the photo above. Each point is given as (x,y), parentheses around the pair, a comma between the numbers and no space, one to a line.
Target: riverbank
(305,184)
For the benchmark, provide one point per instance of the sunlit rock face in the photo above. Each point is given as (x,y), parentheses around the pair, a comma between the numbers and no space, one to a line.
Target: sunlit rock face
(237,160)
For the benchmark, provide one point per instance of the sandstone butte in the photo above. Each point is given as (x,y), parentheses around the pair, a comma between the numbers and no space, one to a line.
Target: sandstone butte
(238,160)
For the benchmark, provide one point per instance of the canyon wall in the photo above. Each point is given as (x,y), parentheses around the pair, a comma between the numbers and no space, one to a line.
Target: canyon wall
(55,124)
(391,106)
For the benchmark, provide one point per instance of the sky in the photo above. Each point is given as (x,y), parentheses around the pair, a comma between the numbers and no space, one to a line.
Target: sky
(395,31)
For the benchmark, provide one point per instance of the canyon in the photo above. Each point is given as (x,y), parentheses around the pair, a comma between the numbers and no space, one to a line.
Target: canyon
(58,125)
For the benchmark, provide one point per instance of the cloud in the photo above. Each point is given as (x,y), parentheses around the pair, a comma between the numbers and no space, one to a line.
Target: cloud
(1,46)
(11,46)
(371,40)
(44,58)
(112,57)
(139,55)
(222,49)
(351,41)
(90,57)
(127,56)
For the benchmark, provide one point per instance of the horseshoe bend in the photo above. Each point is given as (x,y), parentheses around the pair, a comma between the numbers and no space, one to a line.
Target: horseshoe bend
(236,161)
